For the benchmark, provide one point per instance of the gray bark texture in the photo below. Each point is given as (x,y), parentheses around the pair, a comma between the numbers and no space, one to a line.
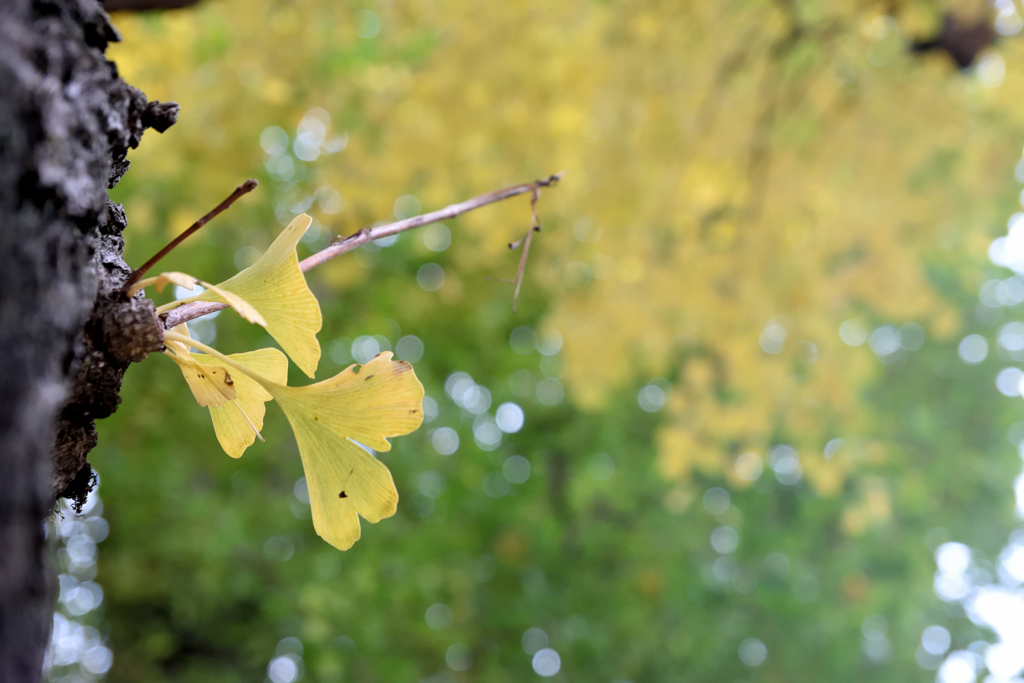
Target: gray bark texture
(66,333)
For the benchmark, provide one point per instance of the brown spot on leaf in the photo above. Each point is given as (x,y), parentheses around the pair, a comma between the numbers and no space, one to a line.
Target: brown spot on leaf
(342,495)
(369,377)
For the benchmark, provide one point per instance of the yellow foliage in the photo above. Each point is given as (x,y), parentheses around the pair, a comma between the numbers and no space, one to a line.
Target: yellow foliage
(725,174)
(873,507)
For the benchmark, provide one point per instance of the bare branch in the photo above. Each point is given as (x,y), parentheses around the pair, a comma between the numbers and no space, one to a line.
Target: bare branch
(369,234)
(346,244)
(243,189)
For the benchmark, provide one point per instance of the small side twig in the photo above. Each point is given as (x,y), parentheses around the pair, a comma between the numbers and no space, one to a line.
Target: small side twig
(243,189)
(526,241)
(345,244)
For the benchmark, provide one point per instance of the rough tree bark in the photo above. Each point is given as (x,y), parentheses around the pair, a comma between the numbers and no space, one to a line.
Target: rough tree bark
(66,335)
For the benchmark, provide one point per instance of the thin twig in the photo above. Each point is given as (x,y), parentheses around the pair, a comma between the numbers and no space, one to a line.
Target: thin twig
(346,244)
(534,227)
(369,234)
(243,189)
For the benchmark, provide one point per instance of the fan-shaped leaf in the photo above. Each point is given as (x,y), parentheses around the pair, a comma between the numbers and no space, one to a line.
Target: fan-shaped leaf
(275,287)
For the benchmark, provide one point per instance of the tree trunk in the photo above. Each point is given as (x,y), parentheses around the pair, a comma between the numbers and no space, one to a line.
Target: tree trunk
(66,333)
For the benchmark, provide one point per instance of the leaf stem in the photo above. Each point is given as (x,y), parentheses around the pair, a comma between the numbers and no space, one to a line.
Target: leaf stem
(141,284)
(174,336)
(190,342)
(171,305)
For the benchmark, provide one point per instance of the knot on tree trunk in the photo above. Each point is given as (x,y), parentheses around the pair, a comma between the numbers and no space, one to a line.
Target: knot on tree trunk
(119,331)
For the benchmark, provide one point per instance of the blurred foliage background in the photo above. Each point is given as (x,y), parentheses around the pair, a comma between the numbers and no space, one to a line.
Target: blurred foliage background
(750,390)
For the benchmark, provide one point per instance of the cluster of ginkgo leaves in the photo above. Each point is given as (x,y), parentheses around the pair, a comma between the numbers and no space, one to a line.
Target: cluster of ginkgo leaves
(333,420)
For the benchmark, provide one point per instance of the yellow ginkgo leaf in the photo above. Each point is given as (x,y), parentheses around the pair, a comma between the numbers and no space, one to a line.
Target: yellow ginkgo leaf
(241,306)
(238,425)
(275,286)
(211,385)
(365,405)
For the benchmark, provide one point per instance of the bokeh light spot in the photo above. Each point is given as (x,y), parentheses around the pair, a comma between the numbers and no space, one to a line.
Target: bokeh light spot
(283,669)
(367,24)
(749,466)
(601,467)
(459,657)
(716,500)
(534,640)
(725,540)
(406,206)
(550,391)
(753,652)
(445,440)
(651,398)
(510,417)
(438,616)
(547,662)
(430,277)
(523,340)
(437,237)
(936,640)
(853,333)
(973,349)
(516,469)
(274,140)
(409,348)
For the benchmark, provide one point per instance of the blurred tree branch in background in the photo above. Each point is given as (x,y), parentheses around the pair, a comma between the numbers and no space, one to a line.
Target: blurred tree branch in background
(145,5)
(960,39)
